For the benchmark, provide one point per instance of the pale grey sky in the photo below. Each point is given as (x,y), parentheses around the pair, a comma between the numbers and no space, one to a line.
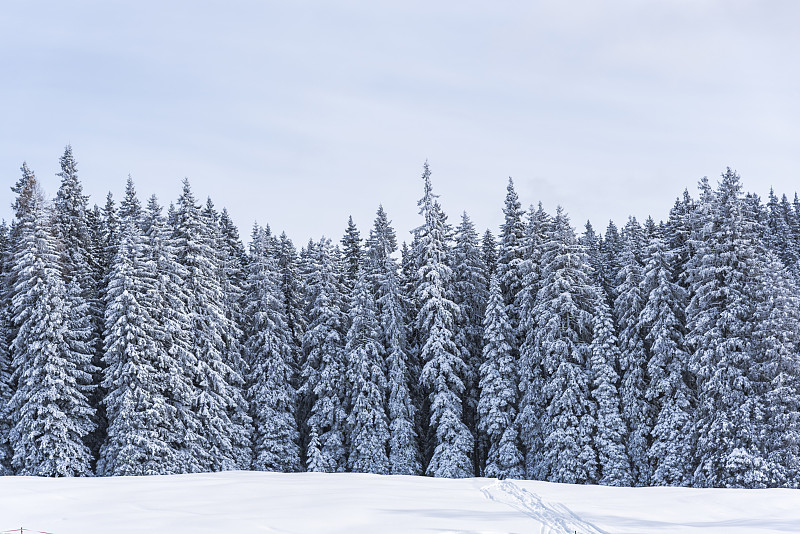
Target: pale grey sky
(300,113)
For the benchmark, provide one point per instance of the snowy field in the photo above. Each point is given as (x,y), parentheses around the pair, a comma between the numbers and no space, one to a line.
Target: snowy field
(248,502)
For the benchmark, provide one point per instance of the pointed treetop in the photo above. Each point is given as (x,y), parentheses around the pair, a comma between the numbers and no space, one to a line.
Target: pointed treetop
(130,208)
(426,203)
(27,190)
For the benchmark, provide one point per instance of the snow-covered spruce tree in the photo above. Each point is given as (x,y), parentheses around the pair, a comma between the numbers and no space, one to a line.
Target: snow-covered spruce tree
(324,366)
(531,405)
(611,246)
(471,294)
(628,305)
(776,339)
(443,371)
(215,381)
(662,323)
(562,344)
(609,439)
(351,254)
(403,447)
(49,410)
(408,282)
(510,255)
(677,237)
(268,351)
(233,263)
(729,412)
(779,235)
(70,223)
(229,276)
(290,285)
(497,408)
(292,298)
(489,252)
(166,305)
(5,340)
(141,418)
(367,426)
(591,243)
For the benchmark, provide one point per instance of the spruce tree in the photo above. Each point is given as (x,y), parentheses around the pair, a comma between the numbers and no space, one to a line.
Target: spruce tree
(228,251)
(167,306)
(5,340)
(49,410)
(70,222)
(324,366)
(662,322)
(497,408)
(615,465)
(489,253)
(531,373)
(510,254)
(141,418)
(776,339)
(562,347)
(215,381)
(268,351)
(720,323)
(366,375)
(628,305)
(351,254)
(471,294)
(443,372)
(403,447)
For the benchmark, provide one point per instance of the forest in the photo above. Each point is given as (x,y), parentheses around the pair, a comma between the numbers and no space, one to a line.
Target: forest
(139,340)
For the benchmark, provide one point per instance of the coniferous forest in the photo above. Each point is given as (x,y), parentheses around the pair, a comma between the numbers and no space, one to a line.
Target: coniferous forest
(139,340)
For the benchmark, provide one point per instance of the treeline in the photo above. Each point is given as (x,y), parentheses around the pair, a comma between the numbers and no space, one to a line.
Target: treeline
(137,342)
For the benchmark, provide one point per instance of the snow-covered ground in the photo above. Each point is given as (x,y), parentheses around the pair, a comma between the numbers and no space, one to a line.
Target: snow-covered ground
(247,502)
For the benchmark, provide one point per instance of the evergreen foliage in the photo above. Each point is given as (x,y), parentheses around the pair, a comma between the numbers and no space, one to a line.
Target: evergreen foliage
(49,410)
(269,354)
(325,363)
(367,422)
(562,345)
(497,408)
(133,343)
(444,368)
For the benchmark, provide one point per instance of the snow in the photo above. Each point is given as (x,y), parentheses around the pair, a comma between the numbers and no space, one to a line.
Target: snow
(252,502)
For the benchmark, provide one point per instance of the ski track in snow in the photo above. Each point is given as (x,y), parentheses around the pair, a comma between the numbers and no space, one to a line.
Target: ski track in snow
(554,517)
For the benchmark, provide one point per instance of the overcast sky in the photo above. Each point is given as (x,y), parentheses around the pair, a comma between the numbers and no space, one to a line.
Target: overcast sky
(299,113)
